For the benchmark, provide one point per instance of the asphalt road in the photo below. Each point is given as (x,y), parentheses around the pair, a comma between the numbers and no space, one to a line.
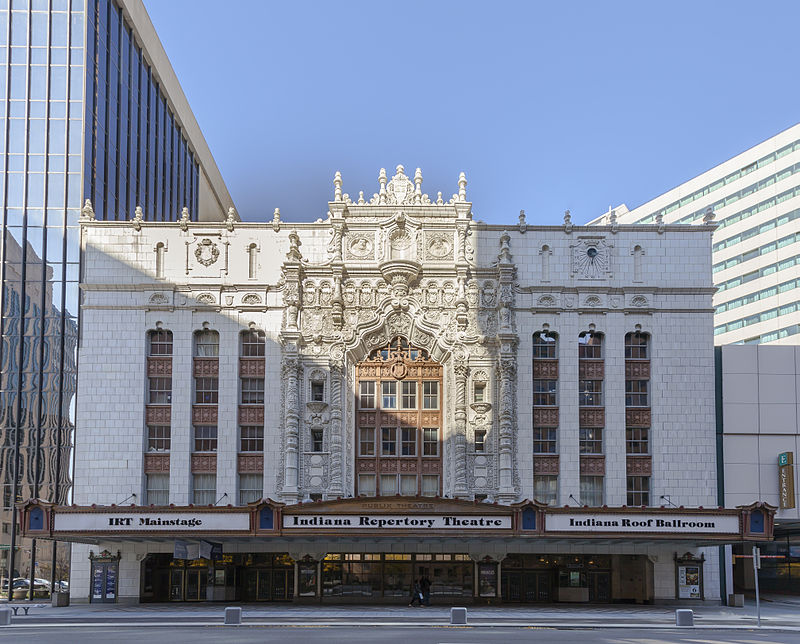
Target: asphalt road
(123,634)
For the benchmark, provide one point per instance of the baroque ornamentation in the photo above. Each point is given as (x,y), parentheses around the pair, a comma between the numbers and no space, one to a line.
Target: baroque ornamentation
(206,298)
(439,246)
(591,259)
(639,301)
(158,298)
(251,298)
(206,252)
(360,247)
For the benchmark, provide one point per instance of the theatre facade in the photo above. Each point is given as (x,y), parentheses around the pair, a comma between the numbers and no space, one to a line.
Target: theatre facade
(325,411)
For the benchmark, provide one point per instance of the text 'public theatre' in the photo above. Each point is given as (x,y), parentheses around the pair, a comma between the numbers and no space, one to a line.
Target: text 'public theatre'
(327,410)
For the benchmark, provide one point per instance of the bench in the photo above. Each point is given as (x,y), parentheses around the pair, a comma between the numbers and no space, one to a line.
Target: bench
(25,607)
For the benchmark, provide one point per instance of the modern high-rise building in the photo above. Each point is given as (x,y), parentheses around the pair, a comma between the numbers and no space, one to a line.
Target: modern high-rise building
(93,118)
(755,197)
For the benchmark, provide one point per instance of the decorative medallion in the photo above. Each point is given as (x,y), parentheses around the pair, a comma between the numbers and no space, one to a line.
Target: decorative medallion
(639,301)
(400,189)
(206,298)
(206,252)
(591,259)
(400,239)
(158,298)
(440,247)
(359,247)
(399,370)
(546,300)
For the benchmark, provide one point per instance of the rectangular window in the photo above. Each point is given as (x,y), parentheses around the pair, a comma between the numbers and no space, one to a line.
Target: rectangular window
(204,489)
(157,491)
(251,438)
(635,346)
(252,391)
(158,438)
(636,393)
(590,393)
(408,484)
(389,395)
(160,391)
(430,394)
(637,440)
(206,391)
(251,488)
(207,344)
(366,441)
(544,347)
(316,440)
(408,441)
(253,344)
(366,399)
(430,485)
(388,484)
(409,395)
(592,490)
(366,484)
(430,441)
(545,489)
(590,347)
(591,440)
(389,441)
(544,393)
(480,440)
(205,438)
(544,440)
(317,391)
(161,343)
(479,392)
(638,490)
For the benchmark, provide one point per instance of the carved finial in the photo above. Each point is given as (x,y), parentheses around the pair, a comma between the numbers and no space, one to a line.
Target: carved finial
(567,222)
(439,200)
(399,169)
(708,216)
(418,186)
(337,186)
(462,187)
(361,201)
(230,219)
(382,181)
(523,225)
(660,223)
(184,220)
(87,212)
(138,217)
(276,220)
(505,248)
(294,247)
(612,220)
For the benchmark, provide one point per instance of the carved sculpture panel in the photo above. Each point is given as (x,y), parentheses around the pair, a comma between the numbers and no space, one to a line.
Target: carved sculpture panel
(593,417)
(637,370)
(637,417)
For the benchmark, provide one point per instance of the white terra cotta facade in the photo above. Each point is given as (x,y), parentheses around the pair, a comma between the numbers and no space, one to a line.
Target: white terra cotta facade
(400,264)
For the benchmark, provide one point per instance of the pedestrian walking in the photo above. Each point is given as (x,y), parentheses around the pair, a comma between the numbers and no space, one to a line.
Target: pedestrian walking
(416,593)
(425,586)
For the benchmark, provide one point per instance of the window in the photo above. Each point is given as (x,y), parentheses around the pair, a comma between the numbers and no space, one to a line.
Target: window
(430,441)
(160,391)
(253,344)
(157,489)
(480,440)
(317,390)
(409,395)
(545,489)
(251,438)
(544,393)
(430,484)
(389,395)
(592,490)
(204,489)
(160,343)
(636,393)
(388,484)
(590,346)
(366,441)
(408,484)
(205,438)
(366,399)
(544,345)
(636,346)
(206,344)
(366,484)
(158,438)
(252,391)
(638,490)
(408,441)
(206,391)
(251,488)
(591,440)
(389,441)
(479,392)
(430,394)
(316,440)
(544,440)
(590,393)
(637,440)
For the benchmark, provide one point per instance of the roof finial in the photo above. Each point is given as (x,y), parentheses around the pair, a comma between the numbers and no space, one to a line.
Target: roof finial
(230,219)
(184,220)
(523,225)
(567,222)
(138,216)
(276,220)
(382,181)
(337,186)
(418,186)
(462,187)
(87,212)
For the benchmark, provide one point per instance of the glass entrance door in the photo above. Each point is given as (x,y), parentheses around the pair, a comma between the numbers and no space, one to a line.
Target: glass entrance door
(528,586)
(599,586)
(188,585)
(264,584)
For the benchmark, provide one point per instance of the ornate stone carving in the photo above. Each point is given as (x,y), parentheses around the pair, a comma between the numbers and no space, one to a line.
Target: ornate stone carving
(204,414)
(545,369)
(251,298)
(545,417)
(639,465)
(204,463)
(637,417)
(592,417)
(637,370)
(591,258)
(591,369)
(439,246)
(593,465)
(156,415)
(639,301)
(206,367)
(159,367)
(360,246)
(545,465)
(156,463)
(206,298)
(546,301)
(251,367)
(592,301)
(158,298)
(251,415)
(251,463)
(207,252)
(400,190)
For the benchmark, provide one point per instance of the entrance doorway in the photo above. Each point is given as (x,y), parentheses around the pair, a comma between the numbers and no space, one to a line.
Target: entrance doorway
(265,585)
(528,586)
(188,584)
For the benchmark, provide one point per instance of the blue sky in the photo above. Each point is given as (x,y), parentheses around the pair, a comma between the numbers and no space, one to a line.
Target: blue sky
(545,106)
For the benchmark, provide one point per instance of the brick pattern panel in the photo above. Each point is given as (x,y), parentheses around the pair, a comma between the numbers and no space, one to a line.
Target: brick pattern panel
(593,465)
(591,369)
(251,367)
(637,370)
(366,465)
(204,414)
(637,417)
(545,417)
(593,417)
(158,415)
(639,465)
(545,465)
(204,463)
(251,463)
(251,415)
(206,367)
(159,367)
(156,463)
(545,369)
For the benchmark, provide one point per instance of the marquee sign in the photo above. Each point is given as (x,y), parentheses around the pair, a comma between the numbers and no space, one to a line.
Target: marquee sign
(151,521)
(637,523)
(397,522)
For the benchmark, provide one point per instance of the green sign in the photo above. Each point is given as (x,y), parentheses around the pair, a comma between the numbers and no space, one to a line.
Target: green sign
(784,458)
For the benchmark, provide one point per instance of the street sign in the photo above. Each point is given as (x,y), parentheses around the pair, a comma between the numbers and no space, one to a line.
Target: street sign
(786,480)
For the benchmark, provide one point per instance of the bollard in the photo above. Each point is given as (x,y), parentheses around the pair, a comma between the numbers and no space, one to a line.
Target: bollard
(233,616)
(684,617)
(458,616)
(5,616)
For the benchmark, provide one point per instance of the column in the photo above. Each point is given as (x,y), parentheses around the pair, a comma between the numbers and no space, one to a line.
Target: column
(335,442)
(290,368)
(508,376)
(461,371)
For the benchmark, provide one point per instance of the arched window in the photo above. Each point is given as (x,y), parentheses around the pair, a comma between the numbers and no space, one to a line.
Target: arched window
(636,346)
(159,343)
(206,344)
(590,345)
(160,260)
(545,345)
(252,343)
(252,261)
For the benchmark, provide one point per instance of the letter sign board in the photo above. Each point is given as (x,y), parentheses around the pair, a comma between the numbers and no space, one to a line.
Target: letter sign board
(786,480)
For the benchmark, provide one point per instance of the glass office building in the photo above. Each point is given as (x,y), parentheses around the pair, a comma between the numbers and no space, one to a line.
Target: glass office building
(91,110)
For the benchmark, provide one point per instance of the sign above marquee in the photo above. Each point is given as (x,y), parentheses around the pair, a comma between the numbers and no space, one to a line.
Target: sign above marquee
(397,522)
(149,521)
(638,523)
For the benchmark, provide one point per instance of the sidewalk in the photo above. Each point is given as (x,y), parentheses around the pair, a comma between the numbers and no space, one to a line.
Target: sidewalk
(776,613)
